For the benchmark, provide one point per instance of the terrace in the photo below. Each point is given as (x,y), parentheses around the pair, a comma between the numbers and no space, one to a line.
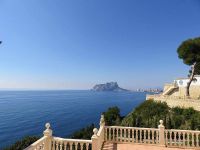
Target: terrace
(122,138)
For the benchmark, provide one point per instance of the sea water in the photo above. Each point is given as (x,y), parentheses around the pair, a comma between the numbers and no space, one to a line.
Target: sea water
(24,113)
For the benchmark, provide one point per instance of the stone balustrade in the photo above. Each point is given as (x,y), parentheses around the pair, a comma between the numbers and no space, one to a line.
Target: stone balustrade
(69,144)
(119,134)
(182,138)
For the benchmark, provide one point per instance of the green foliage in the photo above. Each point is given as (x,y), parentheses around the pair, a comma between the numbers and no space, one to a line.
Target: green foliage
(23,143)
(84,133)
(147,114)
(112,116)
(150,112)
(189,51)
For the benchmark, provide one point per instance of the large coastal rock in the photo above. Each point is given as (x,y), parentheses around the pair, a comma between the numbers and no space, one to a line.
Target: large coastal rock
(110,86)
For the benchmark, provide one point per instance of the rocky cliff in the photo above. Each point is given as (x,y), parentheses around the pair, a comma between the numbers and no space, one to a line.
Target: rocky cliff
(110,86)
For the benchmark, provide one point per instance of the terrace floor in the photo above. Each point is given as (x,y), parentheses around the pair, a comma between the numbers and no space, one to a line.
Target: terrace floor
(111,146)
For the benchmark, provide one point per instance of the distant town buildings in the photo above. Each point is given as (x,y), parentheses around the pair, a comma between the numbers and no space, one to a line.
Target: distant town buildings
(153,90)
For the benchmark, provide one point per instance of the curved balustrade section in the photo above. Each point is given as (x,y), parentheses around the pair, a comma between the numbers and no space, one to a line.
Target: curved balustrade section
(70,144)
(182,138)
(119,134)
(38,145)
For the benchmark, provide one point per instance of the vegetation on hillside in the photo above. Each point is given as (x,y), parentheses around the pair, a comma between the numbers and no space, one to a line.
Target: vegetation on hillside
(112,116)
(84,133)
(150,112)
(23,143)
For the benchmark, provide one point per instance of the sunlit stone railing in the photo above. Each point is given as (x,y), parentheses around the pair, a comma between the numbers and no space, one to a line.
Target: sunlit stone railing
(182,138)
(119,134)
(70,144)
(98,137)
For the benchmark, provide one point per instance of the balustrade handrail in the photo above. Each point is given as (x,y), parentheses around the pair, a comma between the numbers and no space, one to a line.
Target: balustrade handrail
(71,140)
(185,131)
(122,127)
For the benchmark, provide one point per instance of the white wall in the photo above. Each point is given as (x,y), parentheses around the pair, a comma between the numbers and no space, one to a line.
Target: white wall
(183,82)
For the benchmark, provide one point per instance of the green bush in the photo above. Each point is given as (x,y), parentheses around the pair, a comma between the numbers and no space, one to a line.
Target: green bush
(23,143)
(150,112)
(112,116)
(84,133)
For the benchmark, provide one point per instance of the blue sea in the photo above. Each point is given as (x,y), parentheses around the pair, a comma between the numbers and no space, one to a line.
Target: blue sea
(24,113)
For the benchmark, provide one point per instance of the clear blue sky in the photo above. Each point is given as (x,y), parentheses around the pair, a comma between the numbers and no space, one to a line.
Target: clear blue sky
(74,44)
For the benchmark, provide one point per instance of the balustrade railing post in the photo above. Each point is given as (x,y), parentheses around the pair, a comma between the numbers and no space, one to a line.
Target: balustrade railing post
(95,139)
(161,128)
(48,134)
(98,137)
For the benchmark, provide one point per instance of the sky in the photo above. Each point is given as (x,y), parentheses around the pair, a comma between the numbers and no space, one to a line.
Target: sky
(75,44)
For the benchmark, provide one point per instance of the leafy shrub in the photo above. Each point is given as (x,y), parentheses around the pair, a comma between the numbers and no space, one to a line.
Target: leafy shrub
(84,133)
(150,112)
(112,116)
(23,143)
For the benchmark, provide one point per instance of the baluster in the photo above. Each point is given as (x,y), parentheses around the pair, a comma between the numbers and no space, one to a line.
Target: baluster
(175,138)
(129,136)
(140,136)
(157,135)
(197,140)
(192,139)
(136,134)
(87,146)
(109,134)
(133,135)
(57,145)
(178,138)
(149,137)
(61,146)
(120,135)
(81,146)
(144,136)
(188,139)
(166,137)
(65,146)
(183,139)
(70,145)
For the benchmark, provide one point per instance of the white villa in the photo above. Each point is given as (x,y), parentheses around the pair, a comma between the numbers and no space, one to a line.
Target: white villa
(175,93)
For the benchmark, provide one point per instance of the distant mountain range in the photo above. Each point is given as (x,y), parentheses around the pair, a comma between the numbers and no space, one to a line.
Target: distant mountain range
(110,86)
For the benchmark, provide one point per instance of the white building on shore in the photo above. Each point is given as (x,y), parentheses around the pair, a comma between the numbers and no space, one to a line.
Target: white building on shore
(174,94)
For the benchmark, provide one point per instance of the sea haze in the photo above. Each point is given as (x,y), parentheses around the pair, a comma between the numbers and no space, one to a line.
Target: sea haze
(24,113)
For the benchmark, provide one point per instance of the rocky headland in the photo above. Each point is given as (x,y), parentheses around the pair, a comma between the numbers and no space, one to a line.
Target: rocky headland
(110,86)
